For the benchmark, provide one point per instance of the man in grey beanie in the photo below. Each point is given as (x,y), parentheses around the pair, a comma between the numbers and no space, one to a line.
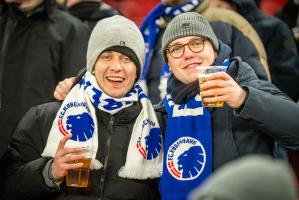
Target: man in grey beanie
(248,178)
(108,113)
(198,139)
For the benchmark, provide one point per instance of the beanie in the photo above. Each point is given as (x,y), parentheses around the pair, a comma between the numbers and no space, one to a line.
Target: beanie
(119,34)
(257,177)
(188,24)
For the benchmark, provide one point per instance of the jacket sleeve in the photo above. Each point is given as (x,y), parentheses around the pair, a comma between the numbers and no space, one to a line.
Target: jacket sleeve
(272,111)
(23,161)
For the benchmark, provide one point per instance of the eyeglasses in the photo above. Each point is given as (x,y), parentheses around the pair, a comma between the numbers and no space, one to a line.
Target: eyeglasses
(196,45)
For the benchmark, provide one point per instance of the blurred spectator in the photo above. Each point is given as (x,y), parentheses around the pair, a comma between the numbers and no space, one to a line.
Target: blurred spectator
(251,177)
(280,47)
(229,26)
(290,15)
(39,46)
(258,2)
(90,11)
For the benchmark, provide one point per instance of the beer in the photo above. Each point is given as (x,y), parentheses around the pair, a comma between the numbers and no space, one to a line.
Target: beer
(203,74)
(79,177)
(295,31)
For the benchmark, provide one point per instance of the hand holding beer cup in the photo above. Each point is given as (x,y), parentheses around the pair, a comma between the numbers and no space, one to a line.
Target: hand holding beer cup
(216,87)
(68,159)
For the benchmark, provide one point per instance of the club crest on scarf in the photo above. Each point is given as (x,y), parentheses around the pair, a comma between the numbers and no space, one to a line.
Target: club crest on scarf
(149,146)
(186,158)
(188,147)
(75,119)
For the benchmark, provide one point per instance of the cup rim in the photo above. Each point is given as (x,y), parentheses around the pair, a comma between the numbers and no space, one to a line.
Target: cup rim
(210,66)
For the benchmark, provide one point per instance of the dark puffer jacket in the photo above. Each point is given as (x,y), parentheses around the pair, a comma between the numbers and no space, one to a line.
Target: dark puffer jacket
(36,52)
(23,158)
(282,54)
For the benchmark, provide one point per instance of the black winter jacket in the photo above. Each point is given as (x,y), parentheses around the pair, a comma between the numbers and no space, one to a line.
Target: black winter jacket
(25,180)
(36,52)
(282,54)
(229,27)
(267,115)
(90,12)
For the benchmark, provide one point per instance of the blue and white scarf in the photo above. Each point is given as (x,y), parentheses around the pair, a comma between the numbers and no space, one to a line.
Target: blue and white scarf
(188,148)
(77,116)
(151,27)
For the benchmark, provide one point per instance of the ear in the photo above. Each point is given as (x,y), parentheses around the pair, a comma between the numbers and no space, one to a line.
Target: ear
(168,56)
(215,55)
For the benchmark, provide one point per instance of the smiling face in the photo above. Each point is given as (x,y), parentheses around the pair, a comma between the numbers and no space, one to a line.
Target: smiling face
(184,68)
(115,73)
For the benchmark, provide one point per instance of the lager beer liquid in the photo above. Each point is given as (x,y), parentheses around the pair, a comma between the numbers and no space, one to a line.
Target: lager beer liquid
(202,79)
(79,177)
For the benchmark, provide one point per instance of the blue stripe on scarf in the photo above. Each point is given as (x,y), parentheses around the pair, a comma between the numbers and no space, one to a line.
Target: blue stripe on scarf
(110,104)
(188,148)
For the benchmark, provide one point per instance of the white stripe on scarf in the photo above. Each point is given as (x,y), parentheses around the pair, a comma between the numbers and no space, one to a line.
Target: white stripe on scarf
(145,152)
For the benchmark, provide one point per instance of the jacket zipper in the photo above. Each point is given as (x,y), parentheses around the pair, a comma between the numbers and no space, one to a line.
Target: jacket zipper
(107,152)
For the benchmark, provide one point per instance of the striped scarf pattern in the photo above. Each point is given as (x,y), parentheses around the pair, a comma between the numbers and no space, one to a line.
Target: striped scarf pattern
(77,116)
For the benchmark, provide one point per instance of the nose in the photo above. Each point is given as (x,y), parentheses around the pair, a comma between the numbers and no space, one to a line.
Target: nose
(187,52)
(116,65)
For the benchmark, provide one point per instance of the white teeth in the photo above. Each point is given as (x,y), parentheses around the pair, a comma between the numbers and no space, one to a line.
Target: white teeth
(113,78)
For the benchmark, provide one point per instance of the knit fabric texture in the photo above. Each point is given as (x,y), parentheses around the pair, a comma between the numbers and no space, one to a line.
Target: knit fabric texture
(116,31)
(188,24)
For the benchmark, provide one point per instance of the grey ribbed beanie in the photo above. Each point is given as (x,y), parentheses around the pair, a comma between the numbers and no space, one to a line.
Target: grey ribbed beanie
(116,31)
(188,24)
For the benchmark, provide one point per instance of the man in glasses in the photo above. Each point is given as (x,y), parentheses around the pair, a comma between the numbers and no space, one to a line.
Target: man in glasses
(199,140)
(228,25)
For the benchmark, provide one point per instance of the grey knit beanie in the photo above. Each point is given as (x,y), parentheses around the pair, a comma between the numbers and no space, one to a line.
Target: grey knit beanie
(115,33)
(188,24)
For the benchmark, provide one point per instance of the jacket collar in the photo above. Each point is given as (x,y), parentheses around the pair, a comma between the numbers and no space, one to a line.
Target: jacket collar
(124,116)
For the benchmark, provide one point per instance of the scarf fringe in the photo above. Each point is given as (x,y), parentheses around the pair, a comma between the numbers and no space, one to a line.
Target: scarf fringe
(140,173)
(96,164)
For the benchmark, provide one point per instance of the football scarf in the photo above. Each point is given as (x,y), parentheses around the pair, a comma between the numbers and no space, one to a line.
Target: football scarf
(77,116)
(188,148)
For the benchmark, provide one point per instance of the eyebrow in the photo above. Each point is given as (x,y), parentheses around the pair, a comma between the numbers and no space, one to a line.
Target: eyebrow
(180,43)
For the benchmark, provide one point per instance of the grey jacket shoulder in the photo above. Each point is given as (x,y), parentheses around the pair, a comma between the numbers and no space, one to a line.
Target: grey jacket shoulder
(273,112)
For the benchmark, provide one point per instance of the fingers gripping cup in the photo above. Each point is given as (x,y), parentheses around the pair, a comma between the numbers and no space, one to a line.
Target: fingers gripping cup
(79,177)
(203,76)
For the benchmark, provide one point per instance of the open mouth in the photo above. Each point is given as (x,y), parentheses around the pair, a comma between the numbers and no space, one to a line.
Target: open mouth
(115,79)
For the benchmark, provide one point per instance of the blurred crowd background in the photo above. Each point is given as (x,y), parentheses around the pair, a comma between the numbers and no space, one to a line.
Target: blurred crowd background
(132,8)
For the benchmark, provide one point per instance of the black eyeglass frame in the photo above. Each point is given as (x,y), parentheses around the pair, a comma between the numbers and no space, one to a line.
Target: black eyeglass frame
(200,38)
